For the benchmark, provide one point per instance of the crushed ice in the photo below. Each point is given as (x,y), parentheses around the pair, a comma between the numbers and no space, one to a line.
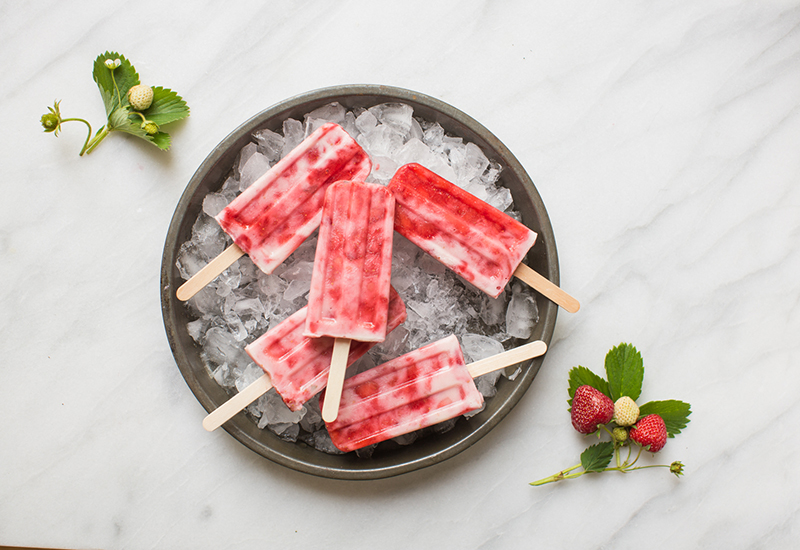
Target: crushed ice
(243,303)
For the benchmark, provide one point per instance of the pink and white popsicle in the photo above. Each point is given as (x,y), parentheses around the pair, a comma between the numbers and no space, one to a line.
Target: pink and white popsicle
(295,365)
(273,216)
(416,390)
(349,295)
(476,240)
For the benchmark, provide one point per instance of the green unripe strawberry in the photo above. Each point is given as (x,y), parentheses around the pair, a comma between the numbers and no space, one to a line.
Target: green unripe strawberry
(150,127)
(140,97)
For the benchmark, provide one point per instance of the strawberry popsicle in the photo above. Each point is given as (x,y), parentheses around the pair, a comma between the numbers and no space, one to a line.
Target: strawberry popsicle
(416,390)
(479,242)
(273,216)
(295,365)
(349,295)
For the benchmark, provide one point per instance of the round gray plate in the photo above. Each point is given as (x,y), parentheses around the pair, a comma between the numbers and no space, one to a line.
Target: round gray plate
(388,459)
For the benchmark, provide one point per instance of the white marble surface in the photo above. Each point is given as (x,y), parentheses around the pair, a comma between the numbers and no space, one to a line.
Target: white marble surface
(664,139)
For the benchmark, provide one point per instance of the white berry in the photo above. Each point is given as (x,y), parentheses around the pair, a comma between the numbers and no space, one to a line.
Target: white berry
(141,97)
(626,411)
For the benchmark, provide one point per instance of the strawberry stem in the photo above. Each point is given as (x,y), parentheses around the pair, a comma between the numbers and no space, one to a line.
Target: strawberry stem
(563,474)
(623,467)
(91,145)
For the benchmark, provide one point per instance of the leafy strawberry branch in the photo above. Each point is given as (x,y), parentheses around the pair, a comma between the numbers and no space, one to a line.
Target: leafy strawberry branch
(646,427)
(140,115)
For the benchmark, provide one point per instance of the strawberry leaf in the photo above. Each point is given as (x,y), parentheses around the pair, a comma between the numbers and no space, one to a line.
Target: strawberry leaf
(675,414)
(597,457)
(625,371)
(161,140)
(114,87)
(167,107)
(581,376)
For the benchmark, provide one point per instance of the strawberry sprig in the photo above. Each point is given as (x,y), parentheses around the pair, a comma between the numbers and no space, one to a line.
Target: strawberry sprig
(608,408)
(131,107)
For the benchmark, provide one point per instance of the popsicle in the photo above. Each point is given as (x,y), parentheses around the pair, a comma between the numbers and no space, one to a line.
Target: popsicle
(479,242)
(273,216)
(297,366)
(349,295)
(416,390)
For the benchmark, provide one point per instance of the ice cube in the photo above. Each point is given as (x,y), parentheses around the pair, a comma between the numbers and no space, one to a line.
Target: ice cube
(249,307)
(312,419)
(492,173)
(381,141)
(383,168)
(293,134)
(493,310)
(220,346)
(190,260)
(197,328)
(433,136)
(213,203)
(249,375)
(255,167)
(270,144)
(332,112)
(396,115)
(235,326)
(478,346)
(523,313)
(366,122)
(299,279)
(500,198)
(322,442)
(275,411)
(349,124)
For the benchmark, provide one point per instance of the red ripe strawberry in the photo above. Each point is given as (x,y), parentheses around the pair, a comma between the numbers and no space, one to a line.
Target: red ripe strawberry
(650,430)
(590,407)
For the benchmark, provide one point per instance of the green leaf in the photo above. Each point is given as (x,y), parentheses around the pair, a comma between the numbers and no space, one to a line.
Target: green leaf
(160,140)
(675,414)
(625,371)
(167,107)
(581,376)
(597,457)
(119,119)
(114,87)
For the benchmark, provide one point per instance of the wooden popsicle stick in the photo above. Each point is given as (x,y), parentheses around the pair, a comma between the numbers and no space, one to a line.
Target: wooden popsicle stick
(210,272)
(546,288)
(333,391)
(238,402)
(507,358)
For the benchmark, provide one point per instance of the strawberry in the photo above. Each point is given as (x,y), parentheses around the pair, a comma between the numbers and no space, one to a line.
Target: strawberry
(650,430)
(140,96)
(590,407)
(626,411)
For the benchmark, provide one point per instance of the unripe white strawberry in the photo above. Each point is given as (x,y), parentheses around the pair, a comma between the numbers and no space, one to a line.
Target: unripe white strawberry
(626,411)
(141,97)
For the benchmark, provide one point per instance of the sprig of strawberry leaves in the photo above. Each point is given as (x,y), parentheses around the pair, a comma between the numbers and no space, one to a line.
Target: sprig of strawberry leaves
(115,77)
(624,368)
